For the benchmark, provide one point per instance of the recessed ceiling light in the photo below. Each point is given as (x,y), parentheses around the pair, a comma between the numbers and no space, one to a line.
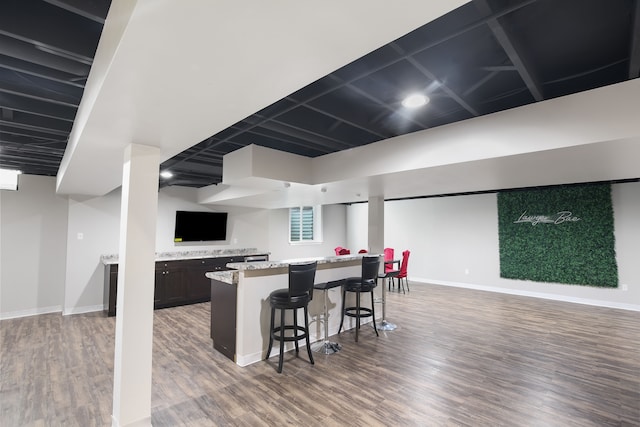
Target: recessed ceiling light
(415,100)
(166,174)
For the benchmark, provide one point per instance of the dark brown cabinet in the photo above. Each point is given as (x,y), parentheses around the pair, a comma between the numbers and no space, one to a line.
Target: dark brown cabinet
(223,318)
(110,286)
(177,282)
(170,284)
(197,285)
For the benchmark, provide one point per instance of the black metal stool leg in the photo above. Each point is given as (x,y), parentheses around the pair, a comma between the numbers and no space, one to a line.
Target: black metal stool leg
(373,314)
(273,313)
(306,325)
(281,341)
(343,310)
(295,330)
(357,314)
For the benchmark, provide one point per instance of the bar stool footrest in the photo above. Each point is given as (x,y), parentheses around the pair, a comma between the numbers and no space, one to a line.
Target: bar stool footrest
(296,337)
(353,312)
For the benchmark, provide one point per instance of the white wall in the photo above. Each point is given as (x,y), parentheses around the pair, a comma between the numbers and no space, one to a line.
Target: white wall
(50,246)
(245,226)
(334,232)
(454,241)
(98,219)
(45,267)
(33,236)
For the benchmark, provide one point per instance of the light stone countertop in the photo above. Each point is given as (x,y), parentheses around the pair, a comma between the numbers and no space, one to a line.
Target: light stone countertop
(196,254)
(231,276)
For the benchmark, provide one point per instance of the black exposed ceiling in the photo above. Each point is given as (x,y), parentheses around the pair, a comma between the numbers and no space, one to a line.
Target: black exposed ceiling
(484,57)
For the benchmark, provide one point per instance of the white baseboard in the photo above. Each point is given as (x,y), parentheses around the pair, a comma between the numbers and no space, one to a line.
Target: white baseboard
(554,297)
(145,422)
(80,310)
(30,312)
(52,309)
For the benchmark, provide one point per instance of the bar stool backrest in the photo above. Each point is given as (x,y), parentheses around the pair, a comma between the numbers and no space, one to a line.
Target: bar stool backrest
(301,279)
(370,267)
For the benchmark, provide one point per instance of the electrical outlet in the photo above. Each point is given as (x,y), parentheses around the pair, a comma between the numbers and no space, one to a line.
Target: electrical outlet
(625,287)
(80,236)
(466,271)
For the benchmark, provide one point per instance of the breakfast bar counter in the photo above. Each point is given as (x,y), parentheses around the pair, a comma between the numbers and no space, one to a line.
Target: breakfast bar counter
(240,311)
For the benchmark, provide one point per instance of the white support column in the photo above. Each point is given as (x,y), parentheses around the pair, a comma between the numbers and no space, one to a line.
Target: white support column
(136,276)
(376,224)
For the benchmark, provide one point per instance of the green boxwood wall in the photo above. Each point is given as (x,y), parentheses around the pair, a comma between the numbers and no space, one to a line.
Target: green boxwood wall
(576,248)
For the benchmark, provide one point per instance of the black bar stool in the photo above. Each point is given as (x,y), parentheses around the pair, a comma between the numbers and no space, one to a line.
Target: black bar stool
(298,295)
(365,283)
(326,346)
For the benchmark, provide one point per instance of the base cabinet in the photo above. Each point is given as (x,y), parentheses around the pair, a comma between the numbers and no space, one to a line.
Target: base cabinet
(177,282)
(223,318)
(170,285)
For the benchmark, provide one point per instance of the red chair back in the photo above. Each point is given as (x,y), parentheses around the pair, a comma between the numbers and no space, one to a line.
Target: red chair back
(362,251)
(388,256)
(337,249)
(405,262)
(344,251)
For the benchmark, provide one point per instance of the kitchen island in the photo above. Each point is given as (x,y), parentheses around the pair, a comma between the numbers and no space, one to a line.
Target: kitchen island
(240,311)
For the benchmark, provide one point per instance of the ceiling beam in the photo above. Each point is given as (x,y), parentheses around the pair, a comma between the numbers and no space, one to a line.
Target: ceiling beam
(37,94)
(480,83)
(45,154)
(634,54)
(49,126)
(303,136)
(390,108)
(348,122)
(27,52)
(527,73)
(32,134)
(39,23)
(96,10)
(25,139)
(446,89)
(499,68)
(42,72)
(32,106)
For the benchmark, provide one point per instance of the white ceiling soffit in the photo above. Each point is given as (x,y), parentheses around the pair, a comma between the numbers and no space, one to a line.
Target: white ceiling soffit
(585,137)
(602,161)
(237,57)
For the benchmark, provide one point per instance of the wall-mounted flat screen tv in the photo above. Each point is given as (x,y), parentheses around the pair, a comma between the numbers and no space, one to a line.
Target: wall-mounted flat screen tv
(200,226)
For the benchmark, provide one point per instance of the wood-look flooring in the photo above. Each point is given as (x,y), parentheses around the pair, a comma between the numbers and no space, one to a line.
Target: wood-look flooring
(458,358)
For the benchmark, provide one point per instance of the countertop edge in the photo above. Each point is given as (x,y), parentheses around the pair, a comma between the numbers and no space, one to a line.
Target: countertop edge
(265,265)
(185,255)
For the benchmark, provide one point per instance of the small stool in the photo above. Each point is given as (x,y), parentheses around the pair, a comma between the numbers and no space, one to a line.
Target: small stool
(296,296)
(326,346)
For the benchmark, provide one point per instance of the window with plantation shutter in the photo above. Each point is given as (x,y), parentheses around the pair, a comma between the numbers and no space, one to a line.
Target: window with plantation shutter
(304,222)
